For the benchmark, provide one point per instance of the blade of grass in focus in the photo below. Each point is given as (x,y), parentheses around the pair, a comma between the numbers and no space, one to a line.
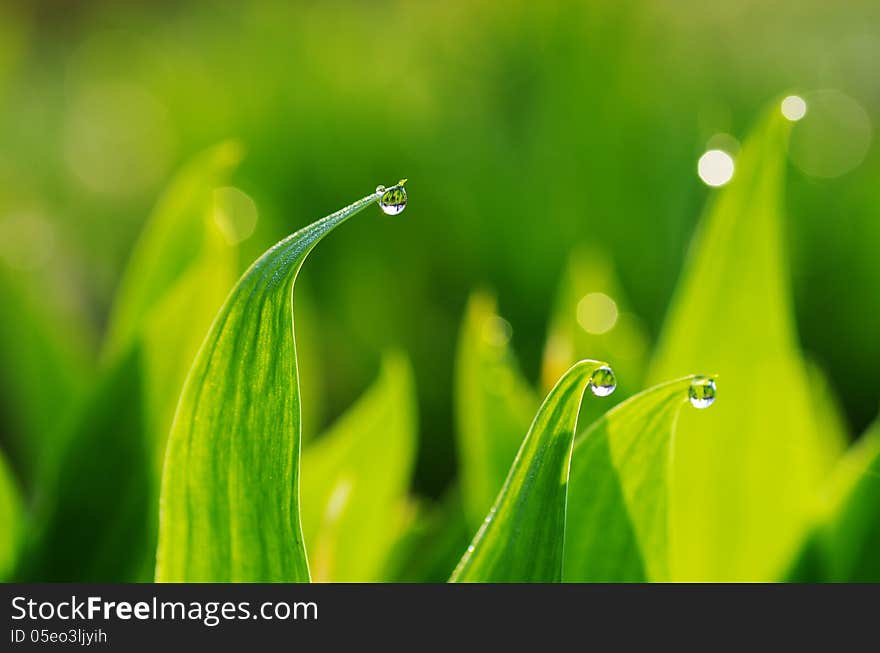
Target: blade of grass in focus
(617,524)
(230,508)
(355,480)
(521,539)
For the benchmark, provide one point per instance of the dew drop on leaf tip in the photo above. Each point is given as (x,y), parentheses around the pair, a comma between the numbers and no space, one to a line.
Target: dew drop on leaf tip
(602,381)
(701,392)
(392,200)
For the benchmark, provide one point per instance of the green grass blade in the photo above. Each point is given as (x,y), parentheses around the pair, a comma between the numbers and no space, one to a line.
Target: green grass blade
(744,472)
(494,406)
(12,519)
(617,525)
(355,480)
(844,542)
(230,490)
(521,539)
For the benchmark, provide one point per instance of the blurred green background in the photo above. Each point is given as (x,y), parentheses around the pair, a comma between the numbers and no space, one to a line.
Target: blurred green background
(526,130)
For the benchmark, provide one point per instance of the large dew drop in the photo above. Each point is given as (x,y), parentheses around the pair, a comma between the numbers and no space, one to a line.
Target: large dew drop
(602,382)
(702,392)
(392,200)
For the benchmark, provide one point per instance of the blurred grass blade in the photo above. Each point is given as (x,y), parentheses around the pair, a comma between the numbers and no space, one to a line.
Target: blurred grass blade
(172,239)
(433,543)
(230,489)
(355,480)
(45,368)
(521,539)
(494,406)
(617,524)
(98,511)
(844,543)
(11,519)
(744,472)
(591,317)
(827,413)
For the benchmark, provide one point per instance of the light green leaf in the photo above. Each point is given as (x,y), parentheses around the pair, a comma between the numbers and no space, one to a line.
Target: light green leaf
(494,406)
(355,480)
(743,472)
(230,489)
(845,539)
(521,539)
(11,518)
(97,516)
(617,524)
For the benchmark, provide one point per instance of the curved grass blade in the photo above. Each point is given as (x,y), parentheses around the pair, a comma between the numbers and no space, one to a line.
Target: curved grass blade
(355,480)
(617,524)
(737,514)
(494,406)
(230,489)
(844,543)
(11,517)
(97,516)
(521,540)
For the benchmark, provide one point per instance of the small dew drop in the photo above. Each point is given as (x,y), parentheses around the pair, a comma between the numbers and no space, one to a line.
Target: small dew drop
(602,382)
(392,200)
(702,392)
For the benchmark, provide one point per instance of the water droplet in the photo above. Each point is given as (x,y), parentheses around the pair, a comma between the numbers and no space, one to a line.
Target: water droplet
(392,200)
(702,392)
(603,383)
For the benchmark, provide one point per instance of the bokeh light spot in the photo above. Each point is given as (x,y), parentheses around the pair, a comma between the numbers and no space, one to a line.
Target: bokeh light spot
(27,241)
(117,139)
(597,313)
(715,168)
(497,331)
(235,214)
(794,107)
(833,138)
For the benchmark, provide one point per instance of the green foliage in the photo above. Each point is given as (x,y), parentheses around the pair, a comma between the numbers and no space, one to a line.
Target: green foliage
(845,538)
(521,539)
(230,490)
(355,480)
(494,406)
(45,368)
(12,517)
(98,507)
(617,524)
(592,317)
(744,472)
